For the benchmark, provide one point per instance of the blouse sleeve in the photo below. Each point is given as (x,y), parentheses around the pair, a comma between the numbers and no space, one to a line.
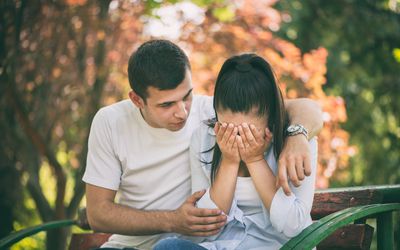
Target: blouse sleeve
(199,178)
(291,214)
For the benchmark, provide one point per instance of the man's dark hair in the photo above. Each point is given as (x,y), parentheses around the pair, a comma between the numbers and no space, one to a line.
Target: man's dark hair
(157,63)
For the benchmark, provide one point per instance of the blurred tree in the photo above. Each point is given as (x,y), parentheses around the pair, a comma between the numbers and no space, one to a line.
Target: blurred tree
(40,40)
(363,38)
(62,60)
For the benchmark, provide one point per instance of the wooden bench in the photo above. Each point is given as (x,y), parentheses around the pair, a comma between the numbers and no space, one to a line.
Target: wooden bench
(340,217)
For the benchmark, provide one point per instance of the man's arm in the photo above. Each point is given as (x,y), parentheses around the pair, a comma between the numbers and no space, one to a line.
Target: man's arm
(294,160)
(106,216)
(306,112)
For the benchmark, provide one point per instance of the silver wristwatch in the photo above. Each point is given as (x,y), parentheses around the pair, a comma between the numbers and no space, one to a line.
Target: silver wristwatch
(296,129)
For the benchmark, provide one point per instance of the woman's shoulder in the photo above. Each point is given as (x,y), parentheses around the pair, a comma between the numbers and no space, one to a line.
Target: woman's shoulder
(203,136)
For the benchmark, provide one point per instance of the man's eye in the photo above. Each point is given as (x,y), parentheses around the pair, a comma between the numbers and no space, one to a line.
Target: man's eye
(166,105)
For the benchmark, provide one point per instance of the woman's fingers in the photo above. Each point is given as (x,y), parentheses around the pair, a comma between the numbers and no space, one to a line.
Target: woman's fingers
(243,137)
(221,131)
(216,127)
(258,134)
(268,135)
(227,134)
(235,143)
(248,134)
(240,143)
(232,137)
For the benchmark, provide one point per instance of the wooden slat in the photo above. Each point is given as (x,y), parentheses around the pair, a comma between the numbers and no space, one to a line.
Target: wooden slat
(349,237)
(326,203)
(86,241)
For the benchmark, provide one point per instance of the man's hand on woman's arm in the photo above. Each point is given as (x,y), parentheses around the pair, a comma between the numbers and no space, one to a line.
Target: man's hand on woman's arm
(294,160)
(106,216)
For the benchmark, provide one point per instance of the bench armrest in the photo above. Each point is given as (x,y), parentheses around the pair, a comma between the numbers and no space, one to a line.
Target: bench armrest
(19,235)
(318,231)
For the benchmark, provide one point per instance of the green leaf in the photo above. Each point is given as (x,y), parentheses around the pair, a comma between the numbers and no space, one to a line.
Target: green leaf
(224,14)
(396,54)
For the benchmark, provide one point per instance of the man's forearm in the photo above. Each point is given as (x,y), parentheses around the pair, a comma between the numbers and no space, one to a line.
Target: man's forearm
(110,217)
(307,113)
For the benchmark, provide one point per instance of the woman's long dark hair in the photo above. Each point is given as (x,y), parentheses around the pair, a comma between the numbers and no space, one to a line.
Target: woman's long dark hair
(246,82)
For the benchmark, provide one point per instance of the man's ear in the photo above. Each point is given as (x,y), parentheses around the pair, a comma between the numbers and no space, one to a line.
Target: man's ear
(136,99)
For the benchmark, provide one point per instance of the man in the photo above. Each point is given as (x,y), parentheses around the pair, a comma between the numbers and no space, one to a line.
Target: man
(139,148)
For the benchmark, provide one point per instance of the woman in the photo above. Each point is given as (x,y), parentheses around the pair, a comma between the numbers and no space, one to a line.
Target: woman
(234,157)
(246,141)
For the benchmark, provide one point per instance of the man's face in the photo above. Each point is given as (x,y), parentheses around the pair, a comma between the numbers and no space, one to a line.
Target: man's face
(168,109)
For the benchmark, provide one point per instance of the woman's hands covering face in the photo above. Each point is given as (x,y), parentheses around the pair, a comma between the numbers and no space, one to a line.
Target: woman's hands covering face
(244,142)
(252,143)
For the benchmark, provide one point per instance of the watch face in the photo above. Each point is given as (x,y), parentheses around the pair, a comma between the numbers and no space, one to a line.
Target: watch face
(292,128)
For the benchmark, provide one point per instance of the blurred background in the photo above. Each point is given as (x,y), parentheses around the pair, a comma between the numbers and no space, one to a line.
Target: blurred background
(60,61)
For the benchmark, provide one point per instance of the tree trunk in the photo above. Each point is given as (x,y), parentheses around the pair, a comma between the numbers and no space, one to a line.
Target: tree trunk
(57,238)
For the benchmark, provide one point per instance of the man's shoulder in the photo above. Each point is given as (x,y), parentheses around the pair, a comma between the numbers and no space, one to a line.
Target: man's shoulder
(118,109)
(115,113)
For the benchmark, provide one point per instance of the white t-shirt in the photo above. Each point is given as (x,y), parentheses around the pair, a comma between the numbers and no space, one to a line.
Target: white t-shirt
(149,167)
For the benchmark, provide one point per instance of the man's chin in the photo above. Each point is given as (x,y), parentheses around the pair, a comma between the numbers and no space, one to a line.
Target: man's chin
(177,126)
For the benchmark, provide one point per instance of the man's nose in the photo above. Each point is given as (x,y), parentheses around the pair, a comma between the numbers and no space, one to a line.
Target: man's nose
(181,112)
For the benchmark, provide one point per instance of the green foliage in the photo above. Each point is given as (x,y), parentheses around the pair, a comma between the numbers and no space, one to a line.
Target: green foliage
(224,14)
(396,54)
(207,3)
(363,67)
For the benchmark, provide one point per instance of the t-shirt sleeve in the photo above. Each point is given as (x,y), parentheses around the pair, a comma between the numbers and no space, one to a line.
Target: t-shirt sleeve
(291,214)
(103,168)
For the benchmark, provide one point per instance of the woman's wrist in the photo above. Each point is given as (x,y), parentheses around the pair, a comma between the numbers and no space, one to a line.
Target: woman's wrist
(255,162)
(231,163)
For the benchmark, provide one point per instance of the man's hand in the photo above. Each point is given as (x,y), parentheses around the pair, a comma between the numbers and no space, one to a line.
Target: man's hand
(294,161)
(190,220)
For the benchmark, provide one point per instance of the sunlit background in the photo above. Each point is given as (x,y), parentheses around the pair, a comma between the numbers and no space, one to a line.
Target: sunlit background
(60,61)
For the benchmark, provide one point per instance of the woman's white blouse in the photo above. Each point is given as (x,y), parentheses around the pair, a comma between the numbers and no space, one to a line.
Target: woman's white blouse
(250,225)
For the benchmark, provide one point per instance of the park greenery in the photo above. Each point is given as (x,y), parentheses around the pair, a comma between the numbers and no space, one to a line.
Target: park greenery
(60,61)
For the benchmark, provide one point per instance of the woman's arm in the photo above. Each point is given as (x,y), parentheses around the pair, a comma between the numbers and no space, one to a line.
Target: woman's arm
(223,188)
(264,181)
(252,145)
(288,214)
(306,112)
(291,214)
(224,185)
